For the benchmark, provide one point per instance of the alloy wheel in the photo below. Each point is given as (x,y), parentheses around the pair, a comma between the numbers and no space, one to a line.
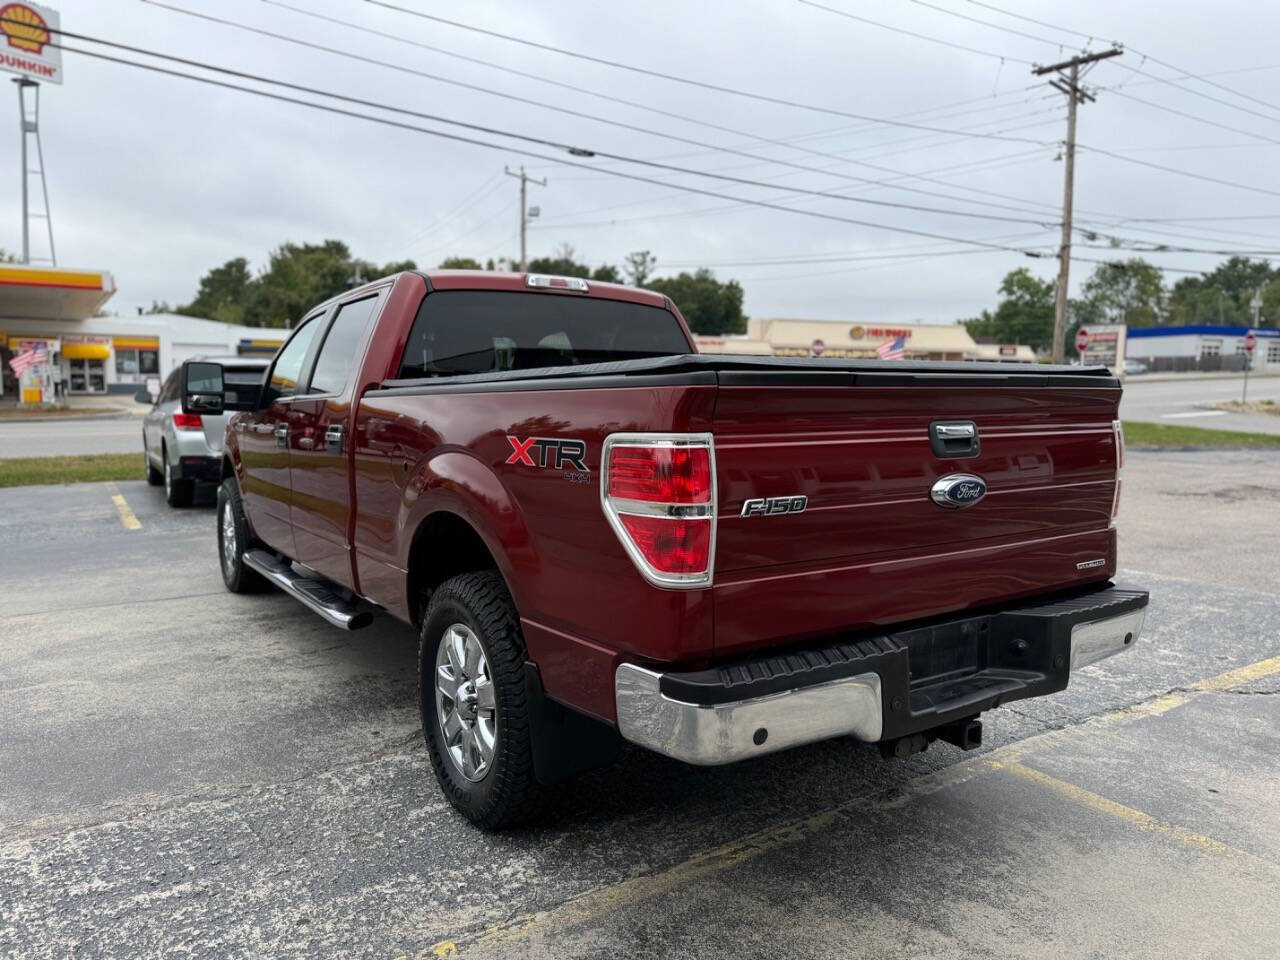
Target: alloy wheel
(466,702)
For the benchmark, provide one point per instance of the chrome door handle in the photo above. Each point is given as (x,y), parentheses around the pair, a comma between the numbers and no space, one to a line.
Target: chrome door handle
(282,435)
(333,438)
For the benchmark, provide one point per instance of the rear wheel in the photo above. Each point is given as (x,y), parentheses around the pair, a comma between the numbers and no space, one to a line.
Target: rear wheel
(475,714)
(177,492)
(234,540)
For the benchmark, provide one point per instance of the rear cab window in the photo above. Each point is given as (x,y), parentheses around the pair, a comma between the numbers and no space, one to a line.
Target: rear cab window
(482,331)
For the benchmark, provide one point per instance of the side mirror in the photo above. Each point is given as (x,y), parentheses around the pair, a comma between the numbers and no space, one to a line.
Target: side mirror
(202,387)
(143,396)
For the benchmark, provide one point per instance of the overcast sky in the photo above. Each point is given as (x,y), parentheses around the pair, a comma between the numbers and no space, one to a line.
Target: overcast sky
(157,178)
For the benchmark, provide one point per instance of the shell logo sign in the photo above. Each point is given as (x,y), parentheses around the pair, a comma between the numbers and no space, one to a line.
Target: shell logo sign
(31,32)
(24,27)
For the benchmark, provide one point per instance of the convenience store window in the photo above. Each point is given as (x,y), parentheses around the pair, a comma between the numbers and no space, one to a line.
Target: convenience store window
(130,361)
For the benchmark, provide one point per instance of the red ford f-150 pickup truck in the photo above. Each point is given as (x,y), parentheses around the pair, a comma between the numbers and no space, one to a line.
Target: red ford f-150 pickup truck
(602,535)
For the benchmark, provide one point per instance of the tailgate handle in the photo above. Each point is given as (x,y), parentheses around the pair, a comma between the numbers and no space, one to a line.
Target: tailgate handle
(954,439)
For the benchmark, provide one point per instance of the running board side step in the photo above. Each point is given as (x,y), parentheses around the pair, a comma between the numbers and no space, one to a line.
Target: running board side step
(321,596)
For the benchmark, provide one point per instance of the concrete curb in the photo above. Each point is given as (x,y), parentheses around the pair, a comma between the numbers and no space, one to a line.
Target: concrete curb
(71,418)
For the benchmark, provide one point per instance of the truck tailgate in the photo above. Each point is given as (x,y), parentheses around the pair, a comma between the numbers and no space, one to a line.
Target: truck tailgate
(871,546)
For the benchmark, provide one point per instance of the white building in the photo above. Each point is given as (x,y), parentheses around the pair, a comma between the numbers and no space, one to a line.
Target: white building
(1203,347)
(53,309)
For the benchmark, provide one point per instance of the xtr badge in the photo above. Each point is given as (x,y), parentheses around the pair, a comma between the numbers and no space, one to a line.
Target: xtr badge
(548,452)
(773,506)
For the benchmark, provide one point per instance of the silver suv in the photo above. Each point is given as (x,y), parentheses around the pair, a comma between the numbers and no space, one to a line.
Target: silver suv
(183,449)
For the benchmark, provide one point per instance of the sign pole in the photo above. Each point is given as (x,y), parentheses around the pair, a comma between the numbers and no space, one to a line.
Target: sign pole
(1250,343)
(22,135)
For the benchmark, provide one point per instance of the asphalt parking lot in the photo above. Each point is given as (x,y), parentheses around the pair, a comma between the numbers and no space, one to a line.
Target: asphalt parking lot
(184,772)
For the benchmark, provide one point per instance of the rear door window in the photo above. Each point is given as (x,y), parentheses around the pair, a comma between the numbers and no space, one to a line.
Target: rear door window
(338,354)
(478,331)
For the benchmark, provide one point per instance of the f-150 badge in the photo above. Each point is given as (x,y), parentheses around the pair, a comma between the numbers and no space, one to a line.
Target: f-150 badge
(548,452)
(957,490)
(773,506)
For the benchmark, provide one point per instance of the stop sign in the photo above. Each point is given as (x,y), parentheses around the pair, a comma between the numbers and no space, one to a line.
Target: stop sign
(1250,342)
(818,347)
(1082,339)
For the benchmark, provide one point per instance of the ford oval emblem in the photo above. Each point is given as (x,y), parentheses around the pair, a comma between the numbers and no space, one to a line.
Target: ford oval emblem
(957,490)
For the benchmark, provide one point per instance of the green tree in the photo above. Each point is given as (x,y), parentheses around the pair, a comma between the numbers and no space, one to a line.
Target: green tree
(461,263)
(638,266)
(1127,291)
(1023,315)
(606,273)
(1194,300)
(709,306)
(1270,316)
(223,294)
(297,277)
(1239,277)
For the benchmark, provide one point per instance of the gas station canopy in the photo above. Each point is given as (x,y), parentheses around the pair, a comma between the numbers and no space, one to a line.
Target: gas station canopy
(52,293)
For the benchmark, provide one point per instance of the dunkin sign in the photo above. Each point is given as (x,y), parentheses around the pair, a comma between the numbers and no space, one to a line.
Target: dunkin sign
(30,42)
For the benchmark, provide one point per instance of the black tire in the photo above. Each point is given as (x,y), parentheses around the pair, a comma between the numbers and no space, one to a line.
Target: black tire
(238,577)
(508,793)
(177,492)
(154,476)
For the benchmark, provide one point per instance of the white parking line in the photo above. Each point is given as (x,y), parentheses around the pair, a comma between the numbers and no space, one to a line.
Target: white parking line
(1193,413)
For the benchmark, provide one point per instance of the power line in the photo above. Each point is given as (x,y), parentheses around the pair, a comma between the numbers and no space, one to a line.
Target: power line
(1191,116)
(1183,74)
(785,141)
(1181,173)
(987,23)
(688,81)
(459,138)
(543,104)
(569,148)
(911,33)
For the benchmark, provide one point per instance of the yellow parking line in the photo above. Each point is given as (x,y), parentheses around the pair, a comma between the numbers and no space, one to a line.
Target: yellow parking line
(1236,678)
(1133,816)
(127,516)
(637,889)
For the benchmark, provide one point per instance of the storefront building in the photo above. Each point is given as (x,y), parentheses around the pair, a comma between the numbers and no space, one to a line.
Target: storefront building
(51,313)
(784,337)
(1203,347)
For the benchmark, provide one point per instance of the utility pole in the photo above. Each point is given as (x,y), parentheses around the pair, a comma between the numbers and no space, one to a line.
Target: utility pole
(525,180)
(1068,82)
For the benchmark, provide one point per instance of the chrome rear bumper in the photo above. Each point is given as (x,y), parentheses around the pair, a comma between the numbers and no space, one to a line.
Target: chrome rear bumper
(915,680)
(709,734)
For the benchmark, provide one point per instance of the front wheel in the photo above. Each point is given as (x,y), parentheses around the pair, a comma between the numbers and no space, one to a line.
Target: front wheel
(233,540)
(475,714)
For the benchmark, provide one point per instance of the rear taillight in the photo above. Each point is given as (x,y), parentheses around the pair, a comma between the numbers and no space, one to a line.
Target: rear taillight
(187,421)
(1119,442)
(658,491)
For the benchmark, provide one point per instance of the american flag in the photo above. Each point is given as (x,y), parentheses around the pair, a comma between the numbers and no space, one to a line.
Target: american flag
(27,359)
(893,349)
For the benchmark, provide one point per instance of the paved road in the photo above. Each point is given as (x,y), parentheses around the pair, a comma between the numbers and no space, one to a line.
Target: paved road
(53,438)
(188,772)
(1182,402)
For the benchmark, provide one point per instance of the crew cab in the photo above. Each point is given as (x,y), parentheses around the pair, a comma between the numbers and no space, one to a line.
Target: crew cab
(601,535)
